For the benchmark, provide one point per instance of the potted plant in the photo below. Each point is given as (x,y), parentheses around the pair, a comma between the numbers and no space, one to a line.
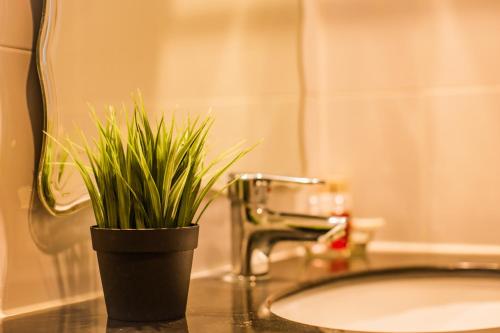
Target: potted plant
(147,188)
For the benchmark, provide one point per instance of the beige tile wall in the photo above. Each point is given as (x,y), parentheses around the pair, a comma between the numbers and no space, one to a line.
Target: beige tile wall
(404,98)
(47,261)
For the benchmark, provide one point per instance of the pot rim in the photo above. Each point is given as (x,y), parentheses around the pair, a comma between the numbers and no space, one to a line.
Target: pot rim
(96,227)
(157,240)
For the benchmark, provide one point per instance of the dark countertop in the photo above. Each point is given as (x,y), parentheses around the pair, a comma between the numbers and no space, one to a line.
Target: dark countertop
(218,306)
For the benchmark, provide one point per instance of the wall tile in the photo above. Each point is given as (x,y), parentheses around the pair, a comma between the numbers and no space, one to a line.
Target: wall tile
(379,144)
(390,45)
(464,159)
(19,20)
(465,48)
(370,46)
(215,236)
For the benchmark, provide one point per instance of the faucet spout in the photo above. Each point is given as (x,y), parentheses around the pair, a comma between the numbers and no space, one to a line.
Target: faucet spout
(257,228)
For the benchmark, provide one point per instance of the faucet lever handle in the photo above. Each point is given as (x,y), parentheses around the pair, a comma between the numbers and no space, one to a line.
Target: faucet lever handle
(253,188)
(275,178)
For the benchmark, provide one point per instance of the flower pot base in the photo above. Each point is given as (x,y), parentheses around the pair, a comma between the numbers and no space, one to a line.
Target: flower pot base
(143,280)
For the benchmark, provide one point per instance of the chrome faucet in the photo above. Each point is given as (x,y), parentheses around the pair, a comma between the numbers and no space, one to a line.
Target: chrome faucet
(256,228)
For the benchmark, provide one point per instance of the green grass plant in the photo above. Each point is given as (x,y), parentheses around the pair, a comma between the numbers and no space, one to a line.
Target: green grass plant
(151,176)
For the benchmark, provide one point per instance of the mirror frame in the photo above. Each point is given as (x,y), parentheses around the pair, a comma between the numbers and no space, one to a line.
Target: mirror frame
(44,68)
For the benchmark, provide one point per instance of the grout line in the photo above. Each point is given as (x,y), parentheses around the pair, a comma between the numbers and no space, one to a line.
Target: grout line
(302,92)
(13,48)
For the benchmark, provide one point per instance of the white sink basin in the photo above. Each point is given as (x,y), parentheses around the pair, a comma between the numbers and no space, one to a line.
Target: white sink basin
(399,303)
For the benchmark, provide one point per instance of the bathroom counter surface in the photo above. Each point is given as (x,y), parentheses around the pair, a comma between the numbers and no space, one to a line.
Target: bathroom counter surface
(218,306)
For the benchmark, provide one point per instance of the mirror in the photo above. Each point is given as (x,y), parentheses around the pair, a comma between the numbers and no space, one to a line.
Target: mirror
(238,59)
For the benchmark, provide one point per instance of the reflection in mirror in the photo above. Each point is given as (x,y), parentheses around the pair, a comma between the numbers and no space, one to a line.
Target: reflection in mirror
(186,57)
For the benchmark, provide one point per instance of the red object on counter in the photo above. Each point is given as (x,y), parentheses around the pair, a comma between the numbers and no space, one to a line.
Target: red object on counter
(343,242)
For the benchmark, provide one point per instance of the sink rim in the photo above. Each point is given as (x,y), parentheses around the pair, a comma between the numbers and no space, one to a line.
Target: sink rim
(459,269)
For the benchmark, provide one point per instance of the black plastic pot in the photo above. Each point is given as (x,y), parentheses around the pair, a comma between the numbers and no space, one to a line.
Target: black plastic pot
(145,273)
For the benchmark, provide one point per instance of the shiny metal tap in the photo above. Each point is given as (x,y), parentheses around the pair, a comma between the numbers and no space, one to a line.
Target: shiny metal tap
(256,228)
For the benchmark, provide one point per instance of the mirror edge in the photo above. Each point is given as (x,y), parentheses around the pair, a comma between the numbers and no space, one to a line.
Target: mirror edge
(47,24)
